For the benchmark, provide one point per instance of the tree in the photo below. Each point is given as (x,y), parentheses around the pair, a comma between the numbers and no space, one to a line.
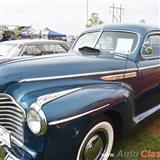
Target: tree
(94,20)
(142,21)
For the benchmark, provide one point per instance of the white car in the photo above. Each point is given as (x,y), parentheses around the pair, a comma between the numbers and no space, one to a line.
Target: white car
(32,47)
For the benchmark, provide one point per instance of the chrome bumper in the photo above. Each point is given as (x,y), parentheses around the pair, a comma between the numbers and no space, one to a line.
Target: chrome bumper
(9,156)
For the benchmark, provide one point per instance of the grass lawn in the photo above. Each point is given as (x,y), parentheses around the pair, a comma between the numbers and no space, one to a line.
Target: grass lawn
(1,154)
(147,137)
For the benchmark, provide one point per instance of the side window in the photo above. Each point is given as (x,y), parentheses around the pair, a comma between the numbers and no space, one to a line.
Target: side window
(117,41)
(87,39)
(32,50)
(151,48)
(59,49)
(51,48)
(102,45)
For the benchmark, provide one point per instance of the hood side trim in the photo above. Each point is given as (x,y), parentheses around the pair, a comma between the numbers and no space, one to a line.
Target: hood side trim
(84,74)
(77,116)
(74,75)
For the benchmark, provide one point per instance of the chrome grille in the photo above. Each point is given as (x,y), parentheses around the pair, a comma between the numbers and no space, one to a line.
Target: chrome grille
(12,117)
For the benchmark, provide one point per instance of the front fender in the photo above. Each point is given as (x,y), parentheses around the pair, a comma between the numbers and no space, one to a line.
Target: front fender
(85,101)
(70,116)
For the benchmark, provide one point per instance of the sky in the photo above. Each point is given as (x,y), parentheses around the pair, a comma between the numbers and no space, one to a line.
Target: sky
(70,16)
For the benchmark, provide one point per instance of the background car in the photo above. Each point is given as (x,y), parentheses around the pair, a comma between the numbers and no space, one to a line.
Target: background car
(34,47)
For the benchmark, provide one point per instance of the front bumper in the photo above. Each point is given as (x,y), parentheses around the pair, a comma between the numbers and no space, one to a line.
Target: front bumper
(10,156)
(19,153)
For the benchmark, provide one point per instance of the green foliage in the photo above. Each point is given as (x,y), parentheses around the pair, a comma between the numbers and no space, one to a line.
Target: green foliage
(142,21)
(1,154)
(94,20)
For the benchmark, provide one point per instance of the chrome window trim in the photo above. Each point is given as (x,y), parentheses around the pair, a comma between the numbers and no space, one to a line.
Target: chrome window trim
(22,50)
(125,31)
(109,30)
(99,36)
(149,34)
(92,31)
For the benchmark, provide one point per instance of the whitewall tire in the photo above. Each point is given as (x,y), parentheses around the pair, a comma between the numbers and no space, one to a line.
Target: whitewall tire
(98,142)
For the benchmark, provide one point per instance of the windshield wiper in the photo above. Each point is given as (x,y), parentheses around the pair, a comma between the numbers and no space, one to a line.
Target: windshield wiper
(89,50)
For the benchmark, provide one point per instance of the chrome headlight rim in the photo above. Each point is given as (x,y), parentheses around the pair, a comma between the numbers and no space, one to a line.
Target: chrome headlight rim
(42,117)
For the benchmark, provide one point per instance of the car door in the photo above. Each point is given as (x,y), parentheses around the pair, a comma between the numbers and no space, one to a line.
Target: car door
(149,69)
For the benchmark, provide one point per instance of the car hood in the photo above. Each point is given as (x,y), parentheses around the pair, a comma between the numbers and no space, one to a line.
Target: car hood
(53,66)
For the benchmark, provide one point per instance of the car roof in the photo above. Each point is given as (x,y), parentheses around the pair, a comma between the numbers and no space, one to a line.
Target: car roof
(35,41)
(138,28)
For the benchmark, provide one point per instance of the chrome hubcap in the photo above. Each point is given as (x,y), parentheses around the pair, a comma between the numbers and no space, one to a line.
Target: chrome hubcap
(94,148)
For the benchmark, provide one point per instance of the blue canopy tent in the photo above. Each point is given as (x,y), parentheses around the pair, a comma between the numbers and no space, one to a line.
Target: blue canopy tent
(53,34)
(25,35)
(42,32)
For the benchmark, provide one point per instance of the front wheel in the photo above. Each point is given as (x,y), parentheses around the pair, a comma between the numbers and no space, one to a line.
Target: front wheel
(98,142)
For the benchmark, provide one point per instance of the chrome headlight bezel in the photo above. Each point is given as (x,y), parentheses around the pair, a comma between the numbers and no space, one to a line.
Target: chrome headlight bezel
(42,119)
(38,105)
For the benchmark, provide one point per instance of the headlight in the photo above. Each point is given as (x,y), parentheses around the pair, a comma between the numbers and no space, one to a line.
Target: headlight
(36,121)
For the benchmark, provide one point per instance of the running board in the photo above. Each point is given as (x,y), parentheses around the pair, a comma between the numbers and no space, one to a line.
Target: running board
(146,114)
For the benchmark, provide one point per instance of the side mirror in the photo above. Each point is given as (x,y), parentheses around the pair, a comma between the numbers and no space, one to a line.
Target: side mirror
(148,50)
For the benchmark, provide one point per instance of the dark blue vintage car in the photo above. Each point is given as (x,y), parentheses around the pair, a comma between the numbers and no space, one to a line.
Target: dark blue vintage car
(72,107)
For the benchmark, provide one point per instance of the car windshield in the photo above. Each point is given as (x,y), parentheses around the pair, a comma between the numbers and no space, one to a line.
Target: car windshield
(110,41)
(10,49)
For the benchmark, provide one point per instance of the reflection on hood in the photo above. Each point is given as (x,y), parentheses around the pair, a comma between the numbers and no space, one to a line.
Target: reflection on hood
(4,59)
